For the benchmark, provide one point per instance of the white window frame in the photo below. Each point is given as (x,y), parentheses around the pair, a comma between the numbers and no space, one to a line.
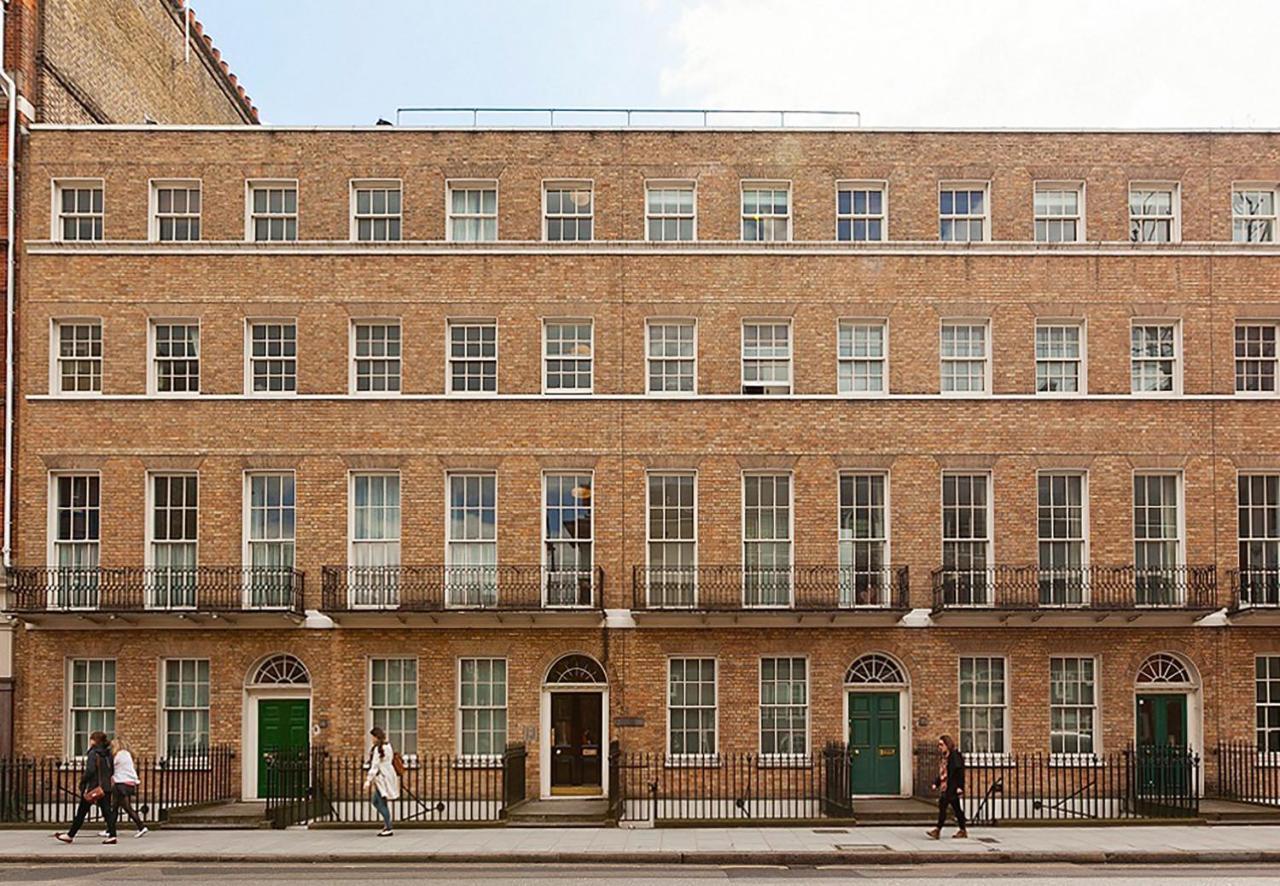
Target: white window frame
(376,184)
(1236,359)
(790,358)
(649,540)
(745,185)
(246,543)
(55,358)
(1082,361)
(546,542)
(1096,733)
(353,360)
(1271,187)
(450,541)
(251,322)
(51,533)
(410,755)
(1268,574)
(880,185)
(1059,185)
(978,757)
(1175,225)
(686,757)
(883,323)
(153,374)
(1085,538)
(1267,756)
(57,186)
(253,184)
(790,539)
(484,184)
(1180,557)
(1177,357)
(988,591)
(651,322)
(149,559)
(398,540)
(965,185)
(568,184)
(163,743)
(568,321)
(506,706)
(449,324)
(887,540)
(154,186)
(690,185)
(987,359)
(774,757)
(69,709)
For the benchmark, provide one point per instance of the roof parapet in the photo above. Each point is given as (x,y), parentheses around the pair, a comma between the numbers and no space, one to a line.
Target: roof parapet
(674,118)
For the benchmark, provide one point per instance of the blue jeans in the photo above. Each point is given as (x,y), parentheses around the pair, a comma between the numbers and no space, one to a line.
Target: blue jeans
(380,804)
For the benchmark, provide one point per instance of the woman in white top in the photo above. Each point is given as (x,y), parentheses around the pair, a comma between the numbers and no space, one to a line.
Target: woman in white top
(382,777)
(124,785)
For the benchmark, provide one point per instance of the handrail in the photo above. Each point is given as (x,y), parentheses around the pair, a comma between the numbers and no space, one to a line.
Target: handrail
(627,113)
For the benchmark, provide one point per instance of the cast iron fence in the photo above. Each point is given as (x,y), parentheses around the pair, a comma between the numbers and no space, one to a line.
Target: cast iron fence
(320,787)
(1248,773)
(440,588)
(798,588)
(47,791)
(744,788)
(1102,588)
(1136,783)
(171,589)
(1255,588)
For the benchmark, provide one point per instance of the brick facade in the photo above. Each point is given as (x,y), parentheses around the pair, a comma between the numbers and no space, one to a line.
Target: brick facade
(1207,434)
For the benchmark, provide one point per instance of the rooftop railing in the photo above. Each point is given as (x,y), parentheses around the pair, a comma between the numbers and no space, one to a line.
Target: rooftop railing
(631,117)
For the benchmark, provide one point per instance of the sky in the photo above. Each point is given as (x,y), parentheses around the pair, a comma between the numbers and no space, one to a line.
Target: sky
(980,63)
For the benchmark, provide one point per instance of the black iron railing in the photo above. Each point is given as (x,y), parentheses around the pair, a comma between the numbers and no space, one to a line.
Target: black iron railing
(742,788)
(1248,773)
(1255,589)
(321,788)
(137,589)
(45,791)
(1136,783)
(799,588)
(1099,588)
(440,588)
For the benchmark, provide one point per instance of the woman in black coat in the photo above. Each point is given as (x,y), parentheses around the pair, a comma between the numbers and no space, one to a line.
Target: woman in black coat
(95,788)
(950,786)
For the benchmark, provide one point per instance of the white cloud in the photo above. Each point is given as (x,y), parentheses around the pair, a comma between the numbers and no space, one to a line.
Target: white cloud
(993,63)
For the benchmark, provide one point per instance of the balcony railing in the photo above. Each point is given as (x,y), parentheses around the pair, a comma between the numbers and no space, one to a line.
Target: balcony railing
(443,588)
(1255,588)
(1101,588)
(138,590)
(797,588)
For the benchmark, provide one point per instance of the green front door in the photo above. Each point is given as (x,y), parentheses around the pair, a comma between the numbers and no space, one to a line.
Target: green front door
(873,743)
(1161,731)
(1162,720)
(283,731)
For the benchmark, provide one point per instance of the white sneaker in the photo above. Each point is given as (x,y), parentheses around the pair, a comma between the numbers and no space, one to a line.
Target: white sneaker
(103,834)
(385,832)
(142,833)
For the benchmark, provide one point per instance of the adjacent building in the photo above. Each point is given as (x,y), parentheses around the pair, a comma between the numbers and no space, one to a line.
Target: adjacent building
(701,441)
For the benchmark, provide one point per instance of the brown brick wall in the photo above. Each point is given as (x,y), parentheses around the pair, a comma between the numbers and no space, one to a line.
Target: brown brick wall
(621,437)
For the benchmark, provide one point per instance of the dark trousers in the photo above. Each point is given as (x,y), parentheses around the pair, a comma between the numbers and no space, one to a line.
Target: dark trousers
(120,799)
(952,799)
(82,812)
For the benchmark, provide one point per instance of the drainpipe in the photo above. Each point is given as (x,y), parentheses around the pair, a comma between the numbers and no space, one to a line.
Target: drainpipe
(11,94)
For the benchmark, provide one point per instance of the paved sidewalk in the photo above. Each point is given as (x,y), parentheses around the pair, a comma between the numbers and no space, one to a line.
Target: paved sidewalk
(1161,844)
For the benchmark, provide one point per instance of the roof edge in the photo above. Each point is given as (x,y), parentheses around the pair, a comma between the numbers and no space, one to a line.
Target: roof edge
(909,130)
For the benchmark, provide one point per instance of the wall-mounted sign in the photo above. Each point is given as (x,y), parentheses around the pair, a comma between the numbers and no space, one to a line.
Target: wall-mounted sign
(624,722)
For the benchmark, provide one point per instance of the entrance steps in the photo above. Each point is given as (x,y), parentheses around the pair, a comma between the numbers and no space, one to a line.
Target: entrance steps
(1215,811)
(568,813)
(231,816)
(894,811)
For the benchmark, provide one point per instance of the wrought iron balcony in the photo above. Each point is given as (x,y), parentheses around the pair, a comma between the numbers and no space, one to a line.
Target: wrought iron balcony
(795,588)
(1093,588)
(466,588)
(198,589)
(1255,589)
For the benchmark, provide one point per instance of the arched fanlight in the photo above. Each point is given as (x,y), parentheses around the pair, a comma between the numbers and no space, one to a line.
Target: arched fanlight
(576,669)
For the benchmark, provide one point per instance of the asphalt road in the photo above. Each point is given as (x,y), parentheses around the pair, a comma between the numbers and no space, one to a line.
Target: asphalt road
(637,875)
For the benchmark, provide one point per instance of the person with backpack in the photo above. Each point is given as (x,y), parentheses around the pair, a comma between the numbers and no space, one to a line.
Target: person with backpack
(124,785)
(95,789)
(385,768)
(950,786)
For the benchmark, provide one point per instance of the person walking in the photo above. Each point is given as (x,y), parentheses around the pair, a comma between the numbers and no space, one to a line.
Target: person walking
(383,777)
(95,789)
(124,786)
(950,787)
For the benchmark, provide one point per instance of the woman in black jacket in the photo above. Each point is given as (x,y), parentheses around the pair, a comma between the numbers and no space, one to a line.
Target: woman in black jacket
(950,786)
(95,788)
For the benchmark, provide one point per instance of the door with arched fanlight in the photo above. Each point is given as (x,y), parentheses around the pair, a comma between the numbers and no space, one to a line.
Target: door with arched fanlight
(876,702)
(575,702)
(277,722)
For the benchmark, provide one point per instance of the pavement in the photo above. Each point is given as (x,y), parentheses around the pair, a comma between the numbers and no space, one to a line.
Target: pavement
(1155,844)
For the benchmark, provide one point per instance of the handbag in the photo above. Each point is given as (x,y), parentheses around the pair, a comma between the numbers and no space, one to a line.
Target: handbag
(397,763)
(94,794)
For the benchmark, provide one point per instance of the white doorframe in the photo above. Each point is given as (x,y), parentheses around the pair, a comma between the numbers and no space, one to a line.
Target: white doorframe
(249,736)
(905,749)
(544,732)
